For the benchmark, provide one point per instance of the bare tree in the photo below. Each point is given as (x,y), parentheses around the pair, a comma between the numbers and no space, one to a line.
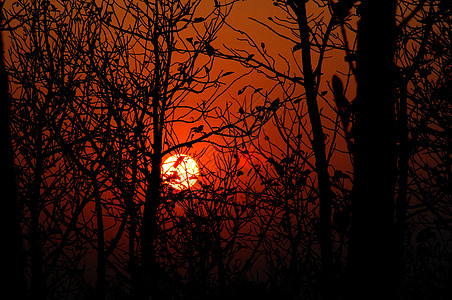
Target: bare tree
(422,87)
(103,91)
(108,85)
(313,35)
(37,65)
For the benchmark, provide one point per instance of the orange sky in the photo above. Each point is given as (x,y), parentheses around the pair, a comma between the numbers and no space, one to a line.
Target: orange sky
(241,18)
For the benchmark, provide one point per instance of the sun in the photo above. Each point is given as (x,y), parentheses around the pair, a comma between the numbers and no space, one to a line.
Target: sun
(180,171)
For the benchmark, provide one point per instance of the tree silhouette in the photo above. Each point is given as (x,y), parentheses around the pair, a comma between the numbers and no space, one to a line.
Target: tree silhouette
(12,236)
(323,148)
(294,26)
(420,79)
(102,111)
(373,242)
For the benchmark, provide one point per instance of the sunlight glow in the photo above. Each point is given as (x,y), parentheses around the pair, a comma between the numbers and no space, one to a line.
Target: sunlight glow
(180,171)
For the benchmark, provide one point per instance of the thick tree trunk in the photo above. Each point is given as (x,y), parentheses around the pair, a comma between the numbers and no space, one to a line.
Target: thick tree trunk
(101,255)
(150,285)
(373,242)
(11,232)
(38,282)
(403,167)
(318,145)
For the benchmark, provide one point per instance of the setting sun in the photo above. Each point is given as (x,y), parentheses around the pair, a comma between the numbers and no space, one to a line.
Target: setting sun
(180,171)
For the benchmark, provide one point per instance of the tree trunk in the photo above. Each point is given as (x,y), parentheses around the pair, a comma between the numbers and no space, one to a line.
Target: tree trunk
(11,231)
(373,243)
(149,283)
(37,274)
(149,259)
(403,167)
(101,255)
(318,145)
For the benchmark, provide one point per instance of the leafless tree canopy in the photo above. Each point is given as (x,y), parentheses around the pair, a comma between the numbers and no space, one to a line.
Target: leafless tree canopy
(323,148)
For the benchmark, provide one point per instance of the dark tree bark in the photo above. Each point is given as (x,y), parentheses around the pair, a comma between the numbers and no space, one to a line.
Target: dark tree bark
(37,281)
(149,259)
(373,242)
(318,145)
(11,231)
(101,256)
